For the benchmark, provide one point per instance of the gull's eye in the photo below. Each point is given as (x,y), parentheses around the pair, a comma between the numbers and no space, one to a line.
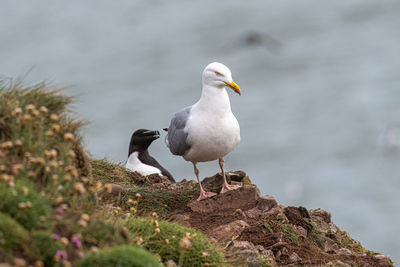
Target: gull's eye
(218,73)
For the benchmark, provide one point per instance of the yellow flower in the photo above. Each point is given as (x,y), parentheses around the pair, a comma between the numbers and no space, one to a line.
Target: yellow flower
(138,241)
(18,143)
(4,177)
(17,112)
(35,113)
(82,223)
(54,117)
(205,254)
(132,210)
(30,108)
(185,243)
(85,217)
(43,110)
(24,190)
(69,137)
(80,188)
(129,202)
(55,127)
(26,118)
(49,133)
(64,241)
(6,145)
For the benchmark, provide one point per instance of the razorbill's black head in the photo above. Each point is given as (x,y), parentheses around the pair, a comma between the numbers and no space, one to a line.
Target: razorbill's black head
(139,159)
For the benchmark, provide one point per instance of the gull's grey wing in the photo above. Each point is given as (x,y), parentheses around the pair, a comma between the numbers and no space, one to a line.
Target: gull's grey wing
(177,137)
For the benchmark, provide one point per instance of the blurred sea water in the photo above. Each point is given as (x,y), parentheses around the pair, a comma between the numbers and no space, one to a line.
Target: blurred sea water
(319,111)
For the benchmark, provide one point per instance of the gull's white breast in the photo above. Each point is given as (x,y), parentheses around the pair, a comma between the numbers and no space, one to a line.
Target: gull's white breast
(212,134)
(134,164)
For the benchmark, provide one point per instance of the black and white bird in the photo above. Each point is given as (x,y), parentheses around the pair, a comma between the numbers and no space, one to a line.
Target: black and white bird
(139,159)
(207,130)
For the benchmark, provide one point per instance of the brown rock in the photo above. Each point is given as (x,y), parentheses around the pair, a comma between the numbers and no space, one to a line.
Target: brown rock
(254,213)
(265,203)
(294,257)
(336,264)
(324,215)
(330,246)
(344,251)
(242,198)
(296,216)
(383,260)
(112,190)
(214,183)
(236,175)
(299,231)
(244,253)
(226,232)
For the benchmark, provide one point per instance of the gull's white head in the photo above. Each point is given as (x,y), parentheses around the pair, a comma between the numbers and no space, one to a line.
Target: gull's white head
(218,75)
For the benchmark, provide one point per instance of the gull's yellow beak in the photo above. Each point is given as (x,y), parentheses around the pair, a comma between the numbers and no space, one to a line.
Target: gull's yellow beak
(233,86)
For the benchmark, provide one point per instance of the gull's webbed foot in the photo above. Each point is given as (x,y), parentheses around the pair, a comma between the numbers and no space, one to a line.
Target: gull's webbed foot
(228,187)
(205,195)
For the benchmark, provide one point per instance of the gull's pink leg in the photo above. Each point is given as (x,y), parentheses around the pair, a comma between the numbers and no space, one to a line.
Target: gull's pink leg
(203,194)
(225,186)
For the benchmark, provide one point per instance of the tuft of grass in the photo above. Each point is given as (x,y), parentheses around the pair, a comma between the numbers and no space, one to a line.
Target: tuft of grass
(173,249)
(153,200)
(43,247)
(107,172)
(267,226)
(290,236)
(104,233)
(12,200)
(128,256)
(12,235)
(163,202)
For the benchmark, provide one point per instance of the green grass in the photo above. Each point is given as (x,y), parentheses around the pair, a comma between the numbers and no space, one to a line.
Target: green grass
(12,235)
(102,233)
(120,256)
(12,199)
(171,250)
(107,172)
(290,236)
(43,247)
(163,202)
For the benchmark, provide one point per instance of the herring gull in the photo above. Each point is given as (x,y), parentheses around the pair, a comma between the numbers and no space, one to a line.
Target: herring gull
(207,130)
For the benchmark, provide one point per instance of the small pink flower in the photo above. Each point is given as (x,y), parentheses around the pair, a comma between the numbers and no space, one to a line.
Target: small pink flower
(60,211)
(62,255)
(76,241)
(81,254)
(56,237)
